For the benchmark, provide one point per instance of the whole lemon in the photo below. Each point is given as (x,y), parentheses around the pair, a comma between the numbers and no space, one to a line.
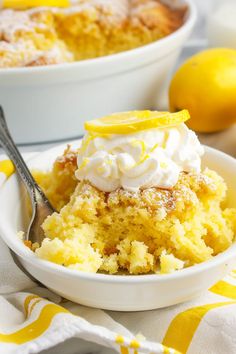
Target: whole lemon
(206,85)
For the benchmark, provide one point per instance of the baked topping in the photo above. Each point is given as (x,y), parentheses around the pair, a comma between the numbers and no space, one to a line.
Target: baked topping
(85,29)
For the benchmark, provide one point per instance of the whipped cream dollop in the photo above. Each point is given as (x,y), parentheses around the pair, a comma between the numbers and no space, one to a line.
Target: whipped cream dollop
(144,159)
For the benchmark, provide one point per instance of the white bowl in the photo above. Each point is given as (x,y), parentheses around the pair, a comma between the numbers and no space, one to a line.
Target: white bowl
(52,102)
(116,292)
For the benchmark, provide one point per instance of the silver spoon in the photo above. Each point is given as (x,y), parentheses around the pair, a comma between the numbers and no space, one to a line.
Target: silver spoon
(41,206)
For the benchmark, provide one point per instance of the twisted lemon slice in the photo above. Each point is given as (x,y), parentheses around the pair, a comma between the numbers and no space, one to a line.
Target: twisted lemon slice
(133,121)
(23,4)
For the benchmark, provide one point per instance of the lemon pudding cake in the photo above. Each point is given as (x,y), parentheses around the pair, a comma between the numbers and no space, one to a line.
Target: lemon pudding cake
(133,199)
(86,29)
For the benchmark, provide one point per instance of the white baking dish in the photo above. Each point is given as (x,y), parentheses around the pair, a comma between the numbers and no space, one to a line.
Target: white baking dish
(52,102)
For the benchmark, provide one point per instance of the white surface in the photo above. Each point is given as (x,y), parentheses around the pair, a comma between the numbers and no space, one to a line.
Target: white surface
(52,102)
(221,25)
(145,292)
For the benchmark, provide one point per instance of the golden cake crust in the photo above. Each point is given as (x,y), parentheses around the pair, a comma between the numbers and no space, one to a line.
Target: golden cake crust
(152,230)
(59,183)
(87,29)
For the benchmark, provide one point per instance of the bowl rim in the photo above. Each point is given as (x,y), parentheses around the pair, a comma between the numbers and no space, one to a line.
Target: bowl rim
(112,58)
(27,255)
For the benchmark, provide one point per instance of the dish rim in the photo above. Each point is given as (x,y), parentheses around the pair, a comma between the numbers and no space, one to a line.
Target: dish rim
(125,55)
(22,251)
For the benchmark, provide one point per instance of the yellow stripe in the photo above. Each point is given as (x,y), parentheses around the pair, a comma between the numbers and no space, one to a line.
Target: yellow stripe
(166,350)
(36,328)
(134,344)
(7,167)
(27,302)
(182,328)
(119,339)
(224,289)
(33,305)
(124,350)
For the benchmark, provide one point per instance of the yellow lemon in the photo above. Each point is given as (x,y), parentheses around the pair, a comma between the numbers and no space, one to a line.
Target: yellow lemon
(206,85)
(129,122)
(23,4)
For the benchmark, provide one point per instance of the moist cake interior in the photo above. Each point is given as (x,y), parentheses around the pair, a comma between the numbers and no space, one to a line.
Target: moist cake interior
(153,230)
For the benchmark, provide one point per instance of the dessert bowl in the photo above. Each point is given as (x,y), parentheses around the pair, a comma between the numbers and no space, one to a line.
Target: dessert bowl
(115,292)
(45,95)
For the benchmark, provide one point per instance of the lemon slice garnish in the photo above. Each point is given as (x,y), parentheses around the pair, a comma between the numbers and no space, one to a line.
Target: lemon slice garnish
(133,121)
(23,4)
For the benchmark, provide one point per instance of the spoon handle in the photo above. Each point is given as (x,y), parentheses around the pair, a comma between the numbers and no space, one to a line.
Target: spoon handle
(14,154)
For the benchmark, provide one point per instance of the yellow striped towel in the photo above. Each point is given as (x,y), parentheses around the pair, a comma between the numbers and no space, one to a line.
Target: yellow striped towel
(33,319)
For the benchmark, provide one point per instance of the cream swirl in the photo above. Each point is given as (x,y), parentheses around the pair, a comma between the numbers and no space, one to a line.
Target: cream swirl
(144,159)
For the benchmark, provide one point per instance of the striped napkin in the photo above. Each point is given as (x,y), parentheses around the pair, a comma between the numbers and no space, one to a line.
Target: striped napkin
(33,319)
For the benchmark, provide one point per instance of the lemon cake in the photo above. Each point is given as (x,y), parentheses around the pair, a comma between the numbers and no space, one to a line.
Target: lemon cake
(86,29)
(134,200)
